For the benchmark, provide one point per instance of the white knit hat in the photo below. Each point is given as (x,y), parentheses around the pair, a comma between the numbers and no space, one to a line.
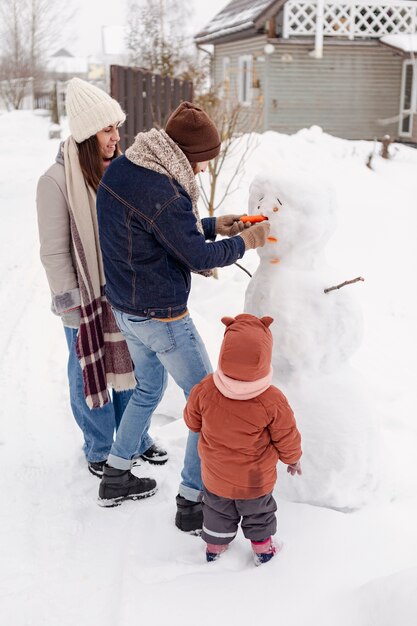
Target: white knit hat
(90,109)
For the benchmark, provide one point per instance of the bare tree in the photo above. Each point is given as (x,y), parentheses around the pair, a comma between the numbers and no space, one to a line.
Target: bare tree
(237,125)
(157,37)
(27,28)
(15,70)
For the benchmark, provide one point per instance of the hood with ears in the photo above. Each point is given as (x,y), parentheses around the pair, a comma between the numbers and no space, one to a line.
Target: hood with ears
(246,350)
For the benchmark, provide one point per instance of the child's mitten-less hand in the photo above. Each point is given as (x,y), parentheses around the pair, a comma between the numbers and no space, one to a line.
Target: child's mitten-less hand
(229,225)
(295,468)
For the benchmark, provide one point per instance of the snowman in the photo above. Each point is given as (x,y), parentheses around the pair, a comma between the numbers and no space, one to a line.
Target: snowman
(315,334)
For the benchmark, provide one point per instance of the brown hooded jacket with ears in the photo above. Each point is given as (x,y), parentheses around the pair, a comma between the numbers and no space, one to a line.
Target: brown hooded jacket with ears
(241,441)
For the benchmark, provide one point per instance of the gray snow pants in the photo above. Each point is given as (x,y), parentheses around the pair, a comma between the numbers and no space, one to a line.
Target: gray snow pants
(221,518)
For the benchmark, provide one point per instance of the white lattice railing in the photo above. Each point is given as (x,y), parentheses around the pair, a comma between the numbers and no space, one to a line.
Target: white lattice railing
(359,18)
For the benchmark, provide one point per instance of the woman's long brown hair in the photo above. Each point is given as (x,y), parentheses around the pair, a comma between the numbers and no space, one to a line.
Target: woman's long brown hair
(91,161)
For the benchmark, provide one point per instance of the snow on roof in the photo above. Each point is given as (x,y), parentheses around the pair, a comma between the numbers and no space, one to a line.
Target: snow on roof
(237,15)
(404,42)
(225,31)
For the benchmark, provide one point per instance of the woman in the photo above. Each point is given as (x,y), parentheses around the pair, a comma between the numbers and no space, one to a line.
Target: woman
(70,254)
(151,238)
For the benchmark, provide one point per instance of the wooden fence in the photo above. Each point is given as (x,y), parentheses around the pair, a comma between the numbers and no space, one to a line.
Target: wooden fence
(148,99)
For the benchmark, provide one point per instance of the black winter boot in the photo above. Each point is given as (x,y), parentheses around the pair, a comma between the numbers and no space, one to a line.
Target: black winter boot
(118,485)
(154,455)
(189,517)
(96,467)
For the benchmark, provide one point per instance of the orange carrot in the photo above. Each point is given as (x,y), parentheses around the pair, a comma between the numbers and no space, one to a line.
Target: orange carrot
(253,219)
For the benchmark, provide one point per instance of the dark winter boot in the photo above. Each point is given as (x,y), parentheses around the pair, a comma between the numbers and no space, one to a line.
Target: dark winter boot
(96,468)
(118,485)
(189,517)
(155,455)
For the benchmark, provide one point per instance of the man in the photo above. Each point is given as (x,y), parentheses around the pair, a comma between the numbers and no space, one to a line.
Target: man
(151,238)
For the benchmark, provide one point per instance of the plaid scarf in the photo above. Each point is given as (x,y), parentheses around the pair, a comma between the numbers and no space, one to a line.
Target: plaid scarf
(156,151)
(103,353)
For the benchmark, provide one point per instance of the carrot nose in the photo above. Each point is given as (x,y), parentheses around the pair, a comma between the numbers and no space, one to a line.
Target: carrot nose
(253,219)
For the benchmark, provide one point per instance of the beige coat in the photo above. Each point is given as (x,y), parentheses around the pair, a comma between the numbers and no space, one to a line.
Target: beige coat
(56,249)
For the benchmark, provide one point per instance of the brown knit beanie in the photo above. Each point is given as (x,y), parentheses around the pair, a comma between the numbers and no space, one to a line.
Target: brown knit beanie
(194,132)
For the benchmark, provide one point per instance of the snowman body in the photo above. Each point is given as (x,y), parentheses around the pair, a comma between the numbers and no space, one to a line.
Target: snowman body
(315,333)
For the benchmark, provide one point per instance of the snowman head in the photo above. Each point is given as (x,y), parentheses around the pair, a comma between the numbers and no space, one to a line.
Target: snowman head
(301,213)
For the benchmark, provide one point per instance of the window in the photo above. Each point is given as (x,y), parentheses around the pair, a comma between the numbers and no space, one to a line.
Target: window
(245,79)
(225,88)
(408,99)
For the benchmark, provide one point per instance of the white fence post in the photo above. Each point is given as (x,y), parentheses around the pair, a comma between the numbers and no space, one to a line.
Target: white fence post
(285,29)
(352,12)
(414,21)
(318,52)
(29,100)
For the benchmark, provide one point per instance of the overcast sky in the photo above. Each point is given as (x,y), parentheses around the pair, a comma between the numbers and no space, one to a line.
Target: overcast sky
(90,15)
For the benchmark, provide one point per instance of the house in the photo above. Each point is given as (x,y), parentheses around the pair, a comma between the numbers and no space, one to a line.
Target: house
(63,65)
(323,62)
(406,45)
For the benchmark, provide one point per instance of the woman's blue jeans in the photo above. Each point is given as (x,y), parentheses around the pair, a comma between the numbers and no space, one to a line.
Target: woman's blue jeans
(98,425)
(158,348)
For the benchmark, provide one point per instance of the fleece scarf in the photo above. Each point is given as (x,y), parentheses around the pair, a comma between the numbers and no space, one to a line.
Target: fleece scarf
(241,389)
(103,353)
(156,151)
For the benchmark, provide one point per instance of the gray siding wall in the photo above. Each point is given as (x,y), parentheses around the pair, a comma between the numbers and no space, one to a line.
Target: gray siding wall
(234,50)
(346,92)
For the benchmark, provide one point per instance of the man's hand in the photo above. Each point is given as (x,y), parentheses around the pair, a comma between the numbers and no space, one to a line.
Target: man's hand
(230,225)
(255,236)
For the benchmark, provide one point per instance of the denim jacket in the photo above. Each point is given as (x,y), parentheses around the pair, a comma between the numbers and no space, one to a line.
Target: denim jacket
(150,241)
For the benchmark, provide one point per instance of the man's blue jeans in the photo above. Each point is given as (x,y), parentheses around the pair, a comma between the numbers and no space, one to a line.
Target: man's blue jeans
(98,425)
(158,348)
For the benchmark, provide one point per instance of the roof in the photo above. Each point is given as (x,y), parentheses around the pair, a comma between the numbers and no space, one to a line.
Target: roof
(238,16)
(62,52)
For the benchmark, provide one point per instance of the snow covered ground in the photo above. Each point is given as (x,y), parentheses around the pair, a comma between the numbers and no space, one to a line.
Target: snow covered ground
(65,561)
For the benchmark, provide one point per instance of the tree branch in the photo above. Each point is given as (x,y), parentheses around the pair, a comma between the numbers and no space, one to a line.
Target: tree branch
(347,282)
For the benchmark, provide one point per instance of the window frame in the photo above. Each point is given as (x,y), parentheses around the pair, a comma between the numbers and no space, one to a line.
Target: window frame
(245,79)
(409,112)
(225,84)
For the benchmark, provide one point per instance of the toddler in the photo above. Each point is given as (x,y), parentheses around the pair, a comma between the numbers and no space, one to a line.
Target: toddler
(246,426)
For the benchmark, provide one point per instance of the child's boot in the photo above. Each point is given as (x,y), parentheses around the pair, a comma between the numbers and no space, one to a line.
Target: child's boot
(264,550)
(214,550)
